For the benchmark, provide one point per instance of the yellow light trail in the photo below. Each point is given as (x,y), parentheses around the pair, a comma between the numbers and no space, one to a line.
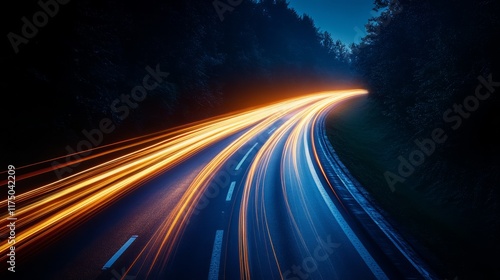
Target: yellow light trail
(48,211)
(254,185)
(161,246)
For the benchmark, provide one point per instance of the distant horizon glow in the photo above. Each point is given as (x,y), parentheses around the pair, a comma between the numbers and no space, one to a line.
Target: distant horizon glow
(344,20)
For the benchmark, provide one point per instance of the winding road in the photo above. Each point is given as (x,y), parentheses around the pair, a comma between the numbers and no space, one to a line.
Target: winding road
(257,194)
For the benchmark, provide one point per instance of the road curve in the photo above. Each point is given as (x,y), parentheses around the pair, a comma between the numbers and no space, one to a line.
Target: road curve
(259,194)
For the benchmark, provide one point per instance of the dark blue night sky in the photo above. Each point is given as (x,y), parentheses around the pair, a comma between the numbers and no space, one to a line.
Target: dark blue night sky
(339,17)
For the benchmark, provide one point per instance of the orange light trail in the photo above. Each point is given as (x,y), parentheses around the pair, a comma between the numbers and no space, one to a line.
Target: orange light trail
(49,210)
(255,184)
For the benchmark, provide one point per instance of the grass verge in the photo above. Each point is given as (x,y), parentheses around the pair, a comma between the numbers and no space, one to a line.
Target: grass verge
(435,208)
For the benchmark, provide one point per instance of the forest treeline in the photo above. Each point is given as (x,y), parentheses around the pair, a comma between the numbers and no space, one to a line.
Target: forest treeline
(90,53)
(435,65)
(433,71)
(420,58)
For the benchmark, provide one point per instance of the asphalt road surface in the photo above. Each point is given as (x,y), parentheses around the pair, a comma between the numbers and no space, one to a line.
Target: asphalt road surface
(259,194)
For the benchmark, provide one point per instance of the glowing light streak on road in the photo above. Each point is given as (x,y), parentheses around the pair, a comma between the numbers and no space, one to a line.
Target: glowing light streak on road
(157,252)
(50,210)
(87,192)
(254,186)
(65,203)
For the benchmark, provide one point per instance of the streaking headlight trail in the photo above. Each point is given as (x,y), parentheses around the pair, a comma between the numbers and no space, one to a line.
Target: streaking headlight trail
(283,222)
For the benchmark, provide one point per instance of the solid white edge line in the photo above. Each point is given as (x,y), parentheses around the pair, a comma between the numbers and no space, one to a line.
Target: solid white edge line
(118,253)
(245,157)
(230,192)
(213,273)
(362,251)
